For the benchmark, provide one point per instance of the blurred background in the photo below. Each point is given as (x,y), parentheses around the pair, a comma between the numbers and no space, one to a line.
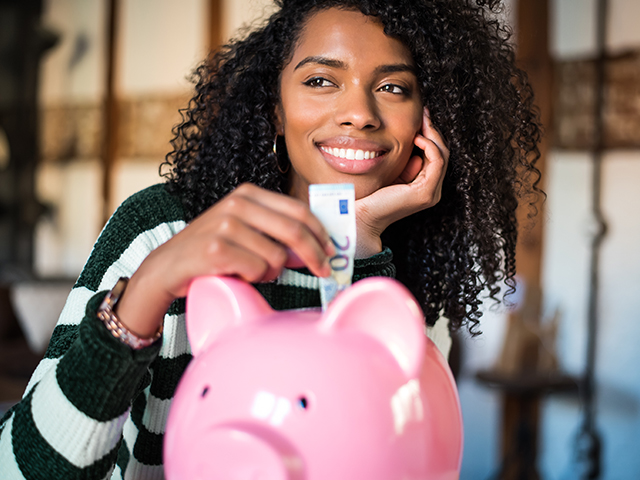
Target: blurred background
(89,92)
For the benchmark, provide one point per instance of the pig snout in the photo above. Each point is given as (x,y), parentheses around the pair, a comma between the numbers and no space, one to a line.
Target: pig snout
(248,452)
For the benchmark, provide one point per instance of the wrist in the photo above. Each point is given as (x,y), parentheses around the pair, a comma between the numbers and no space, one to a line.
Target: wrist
(367,245)
(141,308)
(106,313)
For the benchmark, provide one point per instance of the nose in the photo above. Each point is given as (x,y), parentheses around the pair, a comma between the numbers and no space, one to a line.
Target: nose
(245,452)
(357,108)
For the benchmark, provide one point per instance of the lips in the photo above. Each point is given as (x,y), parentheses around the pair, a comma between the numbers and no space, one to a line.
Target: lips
(351,156)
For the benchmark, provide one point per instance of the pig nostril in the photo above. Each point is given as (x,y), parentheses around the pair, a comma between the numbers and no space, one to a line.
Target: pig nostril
(205,390)
(303,403)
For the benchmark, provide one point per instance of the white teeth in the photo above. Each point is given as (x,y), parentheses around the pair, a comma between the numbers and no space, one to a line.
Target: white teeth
(350,153)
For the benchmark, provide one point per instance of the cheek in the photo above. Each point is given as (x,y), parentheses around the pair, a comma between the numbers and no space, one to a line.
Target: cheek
(302,113)
(406,124)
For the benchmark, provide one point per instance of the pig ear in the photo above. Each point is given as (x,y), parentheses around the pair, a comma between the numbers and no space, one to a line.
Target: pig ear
(385,310)
(217,303)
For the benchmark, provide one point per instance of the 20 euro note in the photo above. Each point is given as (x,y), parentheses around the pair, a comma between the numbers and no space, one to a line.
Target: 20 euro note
(334,205)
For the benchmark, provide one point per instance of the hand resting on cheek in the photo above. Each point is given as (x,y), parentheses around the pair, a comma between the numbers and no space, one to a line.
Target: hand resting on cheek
(418,187)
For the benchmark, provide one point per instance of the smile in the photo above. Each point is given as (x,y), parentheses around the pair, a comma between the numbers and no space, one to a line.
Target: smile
(351,154)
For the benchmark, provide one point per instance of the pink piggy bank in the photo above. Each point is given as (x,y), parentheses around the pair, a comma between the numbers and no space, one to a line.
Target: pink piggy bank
(357,392)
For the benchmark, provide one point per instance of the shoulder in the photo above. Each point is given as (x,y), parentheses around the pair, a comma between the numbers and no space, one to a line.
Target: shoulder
(145,211)
(150,206)
(140,224)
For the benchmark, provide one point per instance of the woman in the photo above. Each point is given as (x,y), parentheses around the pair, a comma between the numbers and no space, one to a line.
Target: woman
(350,90)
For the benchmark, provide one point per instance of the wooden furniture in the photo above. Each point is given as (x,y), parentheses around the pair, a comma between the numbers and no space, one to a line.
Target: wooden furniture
(521,396)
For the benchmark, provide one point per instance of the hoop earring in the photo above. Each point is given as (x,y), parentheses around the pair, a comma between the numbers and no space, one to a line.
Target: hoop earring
(275,154)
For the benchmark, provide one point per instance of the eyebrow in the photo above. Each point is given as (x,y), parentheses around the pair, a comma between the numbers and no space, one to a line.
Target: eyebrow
(330,62)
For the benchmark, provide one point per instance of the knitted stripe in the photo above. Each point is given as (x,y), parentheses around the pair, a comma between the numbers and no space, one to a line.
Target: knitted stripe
(10,469)
(74,308)
(166,375)
(130,434)
(61,339)
(117,474)
(108,475)
(134,467)
(285,297)
(131,258)
(379,264)
(124,454)
(148,447)
(77,437)
(175,329)
(38,460)
(155,414)
(297,279)
(100,374)
(141,212)
(43,367)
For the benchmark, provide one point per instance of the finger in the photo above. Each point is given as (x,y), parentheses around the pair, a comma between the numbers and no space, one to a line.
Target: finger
(433,171)
(234,260)
(291,207)
(293,261)
(185,260)
(430,132)
(283,228)
(237,232)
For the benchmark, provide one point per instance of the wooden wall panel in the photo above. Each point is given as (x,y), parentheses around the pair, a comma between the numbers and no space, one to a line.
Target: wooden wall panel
(574,99)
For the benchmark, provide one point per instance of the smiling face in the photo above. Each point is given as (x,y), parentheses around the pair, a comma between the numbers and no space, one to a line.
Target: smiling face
(350,104)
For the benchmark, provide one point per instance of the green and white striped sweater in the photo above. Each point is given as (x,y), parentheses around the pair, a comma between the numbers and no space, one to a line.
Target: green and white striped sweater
(94,408)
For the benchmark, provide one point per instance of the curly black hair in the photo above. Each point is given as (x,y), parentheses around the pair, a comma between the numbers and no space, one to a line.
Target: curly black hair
(480,101)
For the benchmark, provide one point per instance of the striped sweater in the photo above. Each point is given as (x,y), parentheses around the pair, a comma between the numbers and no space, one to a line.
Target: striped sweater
(94,408)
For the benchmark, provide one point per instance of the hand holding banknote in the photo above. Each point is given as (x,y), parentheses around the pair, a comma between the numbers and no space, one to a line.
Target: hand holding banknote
(418,187)
(247,234)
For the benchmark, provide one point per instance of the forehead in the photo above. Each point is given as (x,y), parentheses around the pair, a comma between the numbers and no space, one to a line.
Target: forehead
(350,36)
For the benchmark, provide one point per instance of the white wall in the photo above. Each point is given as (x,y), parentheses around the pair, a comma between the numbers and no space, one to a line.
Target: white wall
(74,70)
(240,13)
(160,42)
(568,227)
(72,73)
(566,269)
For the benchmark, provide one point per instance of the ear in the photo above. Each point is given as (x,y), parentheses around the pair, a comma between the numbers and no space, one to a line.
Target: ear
(385,310)
(217,303)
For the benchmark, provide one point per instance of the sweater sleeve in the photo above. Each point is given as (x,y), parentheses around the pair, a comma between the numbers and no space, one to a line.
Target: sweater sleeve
(70,420)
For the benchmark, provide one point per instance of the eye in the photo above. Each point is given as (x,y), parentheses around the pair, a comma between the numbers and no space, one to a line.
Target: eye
(395,89)
(205,390)
(303,402)
(318,82)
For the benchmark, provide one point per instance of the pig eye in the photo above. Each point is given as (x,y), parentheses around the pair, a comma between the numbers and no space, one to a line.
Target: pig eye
(303,402)
(205,390)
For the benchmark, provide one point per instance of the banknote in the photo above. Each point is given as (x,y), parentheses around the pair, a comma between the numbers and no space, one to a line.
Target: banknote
(334,205)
